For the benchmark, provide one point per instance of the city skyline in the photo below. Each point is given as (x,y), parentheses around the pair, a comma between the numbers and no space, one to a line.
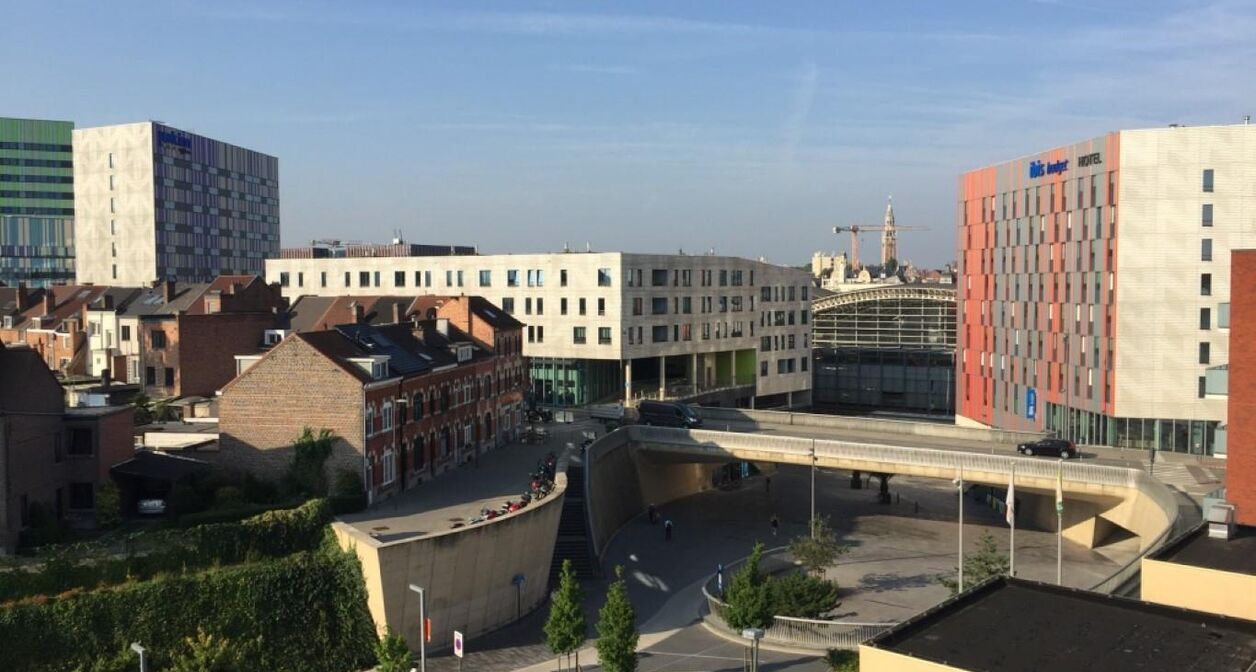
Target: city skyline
(642,128)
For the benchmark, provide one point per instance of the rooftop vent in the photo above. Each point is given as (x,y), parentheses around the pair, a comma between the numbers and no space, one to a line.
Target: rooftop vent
(1220,521)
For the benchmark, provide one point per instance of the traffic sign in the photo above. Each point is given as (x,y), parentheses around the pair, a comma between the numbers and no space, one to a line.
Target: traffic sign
(457,643)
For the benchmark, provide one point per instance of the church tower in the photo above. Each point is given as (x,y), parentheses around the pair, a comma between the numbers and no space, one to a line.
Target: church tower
(889,237)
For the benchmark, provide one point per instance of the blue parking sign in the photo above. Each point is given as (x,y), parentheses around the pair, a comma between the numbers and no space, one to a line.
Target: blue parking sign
(1031,403)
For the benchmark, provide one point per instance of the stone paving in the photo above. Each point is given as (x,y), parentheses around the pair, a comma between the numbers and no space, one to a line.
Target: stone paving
(457,496)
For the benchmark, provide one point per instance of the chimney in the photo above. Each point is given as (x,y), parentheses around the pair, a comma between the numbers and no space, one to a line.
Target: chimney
(23,297)
(108,301)
(355,312)
(167,290)
(105,379)
(397,313)
(50,302)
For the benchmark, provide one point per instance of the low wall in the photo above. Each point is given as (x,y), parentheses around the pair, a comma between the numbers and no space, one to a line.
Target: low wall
(839,422)
(612,487)
(1198,588)
(468,573)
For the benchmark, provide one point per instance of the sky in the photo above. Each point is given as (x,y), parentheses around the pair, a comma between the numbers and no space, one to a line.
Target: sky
(750,128)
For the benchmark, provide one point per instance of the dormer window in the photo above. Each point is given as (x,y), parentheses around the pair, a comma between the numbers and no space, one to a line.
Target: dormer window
(379,370)
(464,353)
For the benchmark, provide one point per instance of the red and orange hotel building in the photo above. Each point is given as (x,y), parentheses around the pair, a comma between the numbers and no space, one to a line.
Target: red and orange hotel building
(1094,287)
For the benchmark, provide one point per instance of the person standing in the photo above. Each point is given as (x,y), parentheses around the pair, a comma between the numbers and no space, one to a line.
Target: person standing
(767,484)
(667,530)
(775,523)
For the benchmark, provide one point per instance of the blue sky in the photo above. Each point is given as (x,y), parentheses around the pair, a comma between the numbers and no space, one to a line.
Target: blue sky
(750,127)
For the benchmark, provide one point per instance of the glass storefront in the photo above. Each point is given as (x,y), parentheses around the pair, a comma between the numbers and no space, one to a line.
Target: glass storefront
(1198,437)
(574,382)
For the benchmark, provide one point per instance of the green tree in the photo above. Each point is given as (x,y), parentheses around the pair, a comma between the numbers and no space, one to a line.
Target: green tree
(820,549)
(617,629)
(747,596)
(108,505)
(565,628)
(392,653)
(307,474)
(207,653)
(801,595)
(979,565)
(841,660)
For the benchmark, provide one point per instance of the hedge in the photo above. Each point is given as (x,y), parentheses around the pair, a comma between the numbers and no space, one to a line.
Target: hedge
(305,612)
(269,535)
(231,514)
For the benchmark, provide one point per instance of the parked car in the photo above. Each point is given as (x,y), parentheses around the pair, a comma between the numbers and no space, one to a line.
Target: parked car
(1052,447)
(151,507)
(668,414)
(607,412)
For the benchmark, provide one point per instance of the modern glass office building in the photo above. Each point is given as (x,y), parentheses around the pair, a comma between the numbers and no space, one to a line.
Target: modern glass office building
(36,202)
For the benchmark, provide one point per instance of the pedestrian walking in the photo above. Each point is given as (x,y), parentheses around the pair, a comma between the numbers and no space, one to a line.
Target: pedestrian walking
(767,484)
(775,523)
(667,530)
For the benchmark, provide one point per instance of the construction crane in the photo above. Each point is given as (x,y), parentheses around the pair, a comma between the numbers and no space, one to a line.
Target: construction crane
(889,236)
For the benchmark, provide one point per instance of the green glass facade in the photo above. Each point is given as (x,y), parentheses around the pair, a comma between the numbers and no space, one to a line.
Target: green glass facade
(36,202)
(574,382)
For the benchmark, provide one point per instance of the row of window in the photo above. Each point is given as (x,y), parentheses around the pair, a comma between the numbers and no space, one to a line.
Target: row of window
(444,441)
(37,147)
(785,366)
(52,195)
(38,179)
(448,396)
(35,163)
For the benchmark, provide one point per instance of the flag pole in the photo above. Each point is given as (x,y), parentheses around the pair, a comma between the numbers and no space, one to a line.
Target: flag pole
(1059,523)
(961,529)
(1011,518)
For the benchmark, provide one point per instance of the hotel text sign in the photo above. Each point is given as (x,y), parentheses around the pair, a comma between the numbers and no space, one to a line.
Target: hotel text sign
(1040,168)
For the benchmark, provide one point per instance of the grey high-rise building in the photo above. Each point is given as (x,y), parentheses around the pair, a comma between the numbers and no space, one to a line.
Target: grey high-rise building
(157,203)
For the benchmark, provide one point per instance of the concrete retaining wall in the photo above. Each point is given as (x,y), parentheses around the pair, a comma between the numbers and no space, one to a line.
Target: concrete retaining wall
(714,416)
(467,573)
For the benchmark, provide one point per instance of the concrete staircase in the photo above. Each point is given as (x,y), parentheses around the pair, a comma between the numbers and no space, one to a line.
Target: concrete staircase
(573,530)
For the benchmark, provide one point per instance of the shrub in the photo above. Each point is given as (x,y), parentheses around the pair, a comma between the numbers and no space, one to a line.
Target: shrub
(271,534)
(348,494)
(304,612)
(392,653)
(258,490)
(841,660)
(227,515)
(185,498)
(228,496)
(108,505)
(801,595)
(747,596)
(307,474)
(207,653)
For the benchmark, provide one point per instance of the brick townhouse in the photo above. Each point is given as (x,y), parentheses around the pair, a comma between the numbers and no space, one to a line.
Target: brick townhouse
(180,339)
(51,456)
(50,321)
(407,401)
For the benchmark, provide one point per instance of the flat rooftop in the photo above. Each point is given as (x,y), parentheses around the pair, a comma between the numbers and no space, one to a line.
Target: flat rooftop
(1197,549)
(1012,624)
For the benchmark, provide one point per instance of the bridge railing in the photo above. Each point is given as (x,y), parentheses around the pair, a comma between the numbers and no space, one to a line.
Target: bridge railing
(946,460)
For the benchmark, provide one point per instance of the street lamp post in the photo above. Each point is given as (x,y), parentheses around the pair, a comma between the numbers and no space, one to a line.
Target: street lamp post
(959,481)
(422,628)
(135,646)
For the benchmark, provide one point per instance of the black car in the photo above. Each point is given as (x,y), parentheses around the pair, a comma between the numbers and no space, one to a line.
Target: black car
(668,414)
(1053,447)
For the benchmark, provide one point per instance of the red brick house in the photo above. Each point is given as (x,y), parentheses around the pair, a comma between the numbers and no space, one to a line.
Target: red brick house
(51,321)
(51,456)
(189,334)
(406,401)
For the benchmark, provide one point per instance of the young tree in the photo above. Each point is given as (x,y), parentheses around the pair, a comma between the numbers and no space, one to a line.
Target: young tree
(979,565)
(109,505)
(207,653)
(565,628)
(392,653)
(617,629)
(307,474)
(818,550)
(749,603)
